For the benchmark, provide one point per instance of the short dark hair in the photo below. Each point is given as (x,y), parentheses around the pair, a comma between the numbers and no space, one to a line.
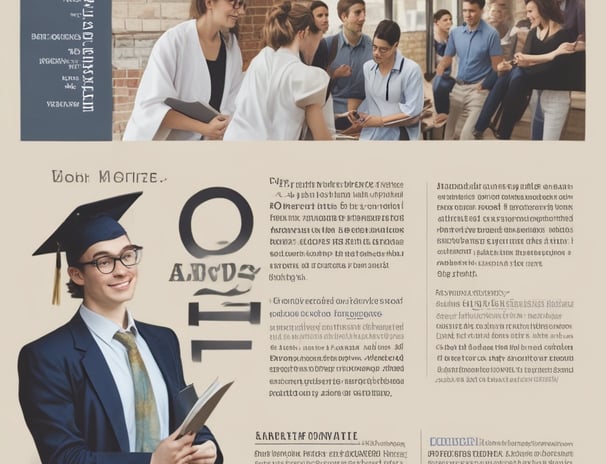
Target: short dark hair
(389,31)
(343,6)
(480,3)
(438,14)
(75,290)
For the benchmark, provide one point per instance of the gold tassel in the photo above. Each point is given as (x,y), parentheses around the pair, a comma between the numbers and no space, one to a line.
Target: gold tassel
(57,282)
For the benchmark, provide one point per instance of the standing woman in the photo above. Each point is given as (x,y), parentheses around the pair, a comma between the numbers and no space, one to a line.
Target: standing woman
(441,85)
(280,95)
(197,60)
(394,90)
(553,73)
(319,10)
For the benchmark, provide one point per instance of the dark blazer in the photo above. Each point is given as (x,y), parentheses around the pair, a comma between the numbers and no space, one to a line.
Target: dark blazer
(70,401)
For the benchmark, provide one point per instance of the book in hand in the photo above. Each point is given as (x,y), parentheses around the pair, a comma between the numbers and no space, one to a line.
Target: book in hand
(195,110)
(202,407)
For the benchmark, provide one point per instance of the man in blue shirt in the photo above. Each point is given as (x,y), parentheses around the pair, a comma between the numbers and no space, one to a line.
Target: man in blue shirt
(477,47)
(351,51)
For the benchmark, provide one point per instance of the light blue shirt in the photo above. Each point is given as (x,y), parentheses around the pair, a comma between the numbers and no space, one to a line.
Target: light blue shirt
(474,50)
(103,330)
(399,91)
(355,56)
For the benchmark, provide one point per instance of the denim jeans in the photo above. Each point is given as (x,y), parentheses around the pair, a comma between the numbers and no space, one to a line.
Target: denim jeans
(493,100)
(442,86)
(511,92)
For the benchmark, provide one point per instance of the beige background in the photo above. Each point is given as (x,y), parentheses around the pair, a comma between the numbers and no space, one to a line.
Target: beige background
(32,206)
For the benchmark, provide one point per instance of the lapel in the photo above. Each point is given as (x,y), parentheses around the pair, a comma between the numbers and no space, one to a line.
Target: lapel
(101,378)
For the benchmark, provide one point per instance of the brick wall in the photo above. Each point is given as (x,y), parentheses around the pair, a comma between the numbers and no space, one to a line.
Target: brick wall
(137,24)
(413,45)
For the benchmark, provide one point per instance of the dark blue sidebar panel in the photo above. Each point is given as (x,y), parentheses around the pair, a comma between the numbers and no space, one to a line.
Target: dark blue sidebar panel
(66,70)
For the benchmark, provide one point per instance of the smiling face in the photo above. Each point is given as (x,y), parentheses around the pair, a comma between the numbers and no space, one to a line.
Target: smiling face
(105,293)
(532,13)
(226,12)
(321,18)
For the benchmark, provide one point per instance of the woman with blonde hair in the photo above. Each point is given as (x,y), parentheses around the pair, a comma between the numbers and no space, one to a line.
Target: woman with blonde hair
(198,60)
(281,96)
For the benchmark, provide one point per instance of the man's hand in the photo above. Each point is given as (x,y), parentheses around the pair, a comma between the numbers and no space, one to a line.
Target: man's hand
(205,453)
(343,70)
(175,451)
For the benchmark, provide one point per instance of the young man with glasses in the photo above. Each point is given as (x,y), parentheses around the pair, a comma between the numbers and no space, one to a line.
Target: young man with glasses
(104,388)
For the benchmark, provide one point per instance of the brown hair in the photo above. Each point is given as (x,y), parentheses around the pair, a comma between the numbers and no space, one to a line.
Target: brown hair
(343,6)
(548,9)
(75,290)
(284,20)
(197,8)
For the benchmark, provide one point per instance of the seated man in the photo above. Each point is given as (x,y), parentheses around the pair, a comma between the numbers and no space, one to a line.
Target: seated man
(103,387)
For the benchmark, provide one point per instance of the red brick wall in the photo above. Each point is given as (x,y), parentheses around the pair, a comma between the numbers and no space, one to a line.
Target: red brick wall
(250,29)
(125,83)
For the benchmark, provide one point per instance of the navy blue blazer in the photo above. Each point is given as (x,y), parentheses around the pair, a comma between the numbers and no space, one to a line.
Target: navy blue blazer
(71,404)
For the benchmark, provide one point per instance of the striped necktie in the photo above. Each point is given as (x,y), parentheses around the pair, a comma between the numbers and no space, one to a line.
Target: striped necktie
(146,412)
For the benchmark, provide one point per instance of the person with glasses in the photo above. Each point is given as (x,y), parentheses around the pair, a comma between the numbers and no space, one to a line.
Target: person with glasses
(80,392)
(394,90)
(198,60)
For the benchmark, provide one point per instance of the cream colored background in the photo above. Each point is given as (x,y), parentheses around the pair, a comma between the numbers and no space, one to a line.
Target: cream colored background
(32,206)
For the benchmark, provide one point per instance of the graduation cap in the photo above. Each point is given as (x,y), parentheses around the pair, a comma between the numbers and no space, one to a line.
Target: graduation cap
(85,226)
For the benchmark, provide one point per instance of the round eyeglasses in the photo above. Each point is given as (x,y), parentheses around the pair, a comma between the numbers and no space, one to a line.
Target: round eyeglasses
(107,264)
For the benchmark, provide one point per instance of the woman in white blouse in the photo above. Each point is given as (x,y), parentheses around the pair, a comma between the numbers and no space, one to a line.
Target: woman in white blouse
(197,60)
(281,97)
(394,90)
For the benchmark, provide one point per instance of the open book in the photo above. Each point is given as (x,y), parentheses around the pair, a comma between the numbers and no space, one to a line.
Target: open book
(202,406)
(195,110)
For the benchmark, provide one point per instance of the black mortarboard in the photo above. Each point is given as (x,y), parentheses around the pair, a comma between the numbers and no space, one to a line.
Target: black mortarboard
(85,226)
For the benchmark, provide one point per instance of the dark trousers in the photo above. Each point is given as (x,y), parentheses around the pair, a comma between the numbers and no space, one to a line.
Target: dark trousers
(442,86)
(511,91)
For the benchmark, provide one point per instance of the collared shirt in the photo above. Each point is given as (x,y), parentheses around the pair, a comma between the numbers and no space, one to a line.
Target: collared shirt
(103,330)
(474,50)
(355,56)
(399,91)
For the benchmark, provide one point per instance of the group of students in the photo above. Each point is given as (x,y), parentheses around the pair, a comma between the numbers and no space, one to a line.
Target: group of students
(299,86)
(493,77)
(303,85)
